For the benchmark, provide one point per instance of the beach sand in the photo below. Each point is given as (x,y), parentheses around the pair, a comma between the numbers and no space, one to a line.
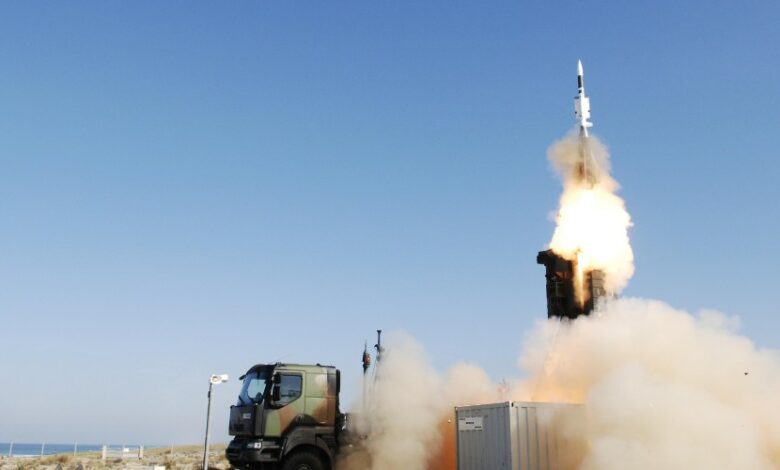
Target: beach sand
(176,458)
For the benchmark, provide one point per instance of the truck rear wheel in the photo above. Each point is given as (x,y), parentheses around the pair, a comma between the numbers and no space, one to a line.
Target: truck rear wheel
(303,461)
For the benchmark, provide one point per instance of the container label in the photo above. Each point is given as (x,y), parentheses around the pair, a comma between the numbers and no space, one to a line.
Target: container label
(470,424)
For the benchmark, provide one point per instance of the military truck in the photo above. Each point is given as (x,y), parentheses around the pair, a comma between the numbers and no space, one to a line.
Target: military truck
(287,418)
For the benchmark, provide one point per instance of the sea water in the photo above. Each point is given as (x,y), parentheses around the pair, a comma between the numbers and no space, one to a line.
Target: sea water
(22,449)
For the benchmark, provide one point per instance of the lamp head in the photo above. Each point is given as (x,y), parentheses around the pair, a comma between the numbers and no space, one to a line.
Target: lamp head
(218,379)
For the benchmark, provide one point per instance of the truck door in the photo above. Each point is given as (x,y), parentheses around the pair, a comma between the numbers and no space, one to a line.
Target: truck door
(287,403)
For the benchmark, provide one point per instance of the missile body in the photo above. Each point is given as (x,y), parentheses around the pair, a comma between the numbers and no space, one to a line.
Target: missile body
(582,103)
(585,167)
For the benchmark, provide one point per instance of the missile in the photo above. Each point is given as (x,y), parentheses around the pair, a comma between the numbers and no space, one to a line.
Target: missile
(582,103)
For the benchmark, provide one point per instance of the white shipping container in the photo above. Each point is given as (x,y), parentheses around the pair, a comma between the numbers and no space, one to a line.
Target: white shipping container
(520,436)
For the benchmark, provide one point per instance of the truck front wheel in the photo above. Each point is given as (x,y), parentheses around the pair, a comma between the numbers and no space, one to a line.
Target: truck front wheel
(303,461)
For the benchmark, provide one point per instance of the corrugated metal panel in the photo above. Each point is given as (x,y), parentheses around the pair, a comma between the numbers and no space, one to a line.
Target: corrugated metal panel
(515,436)
(487,442)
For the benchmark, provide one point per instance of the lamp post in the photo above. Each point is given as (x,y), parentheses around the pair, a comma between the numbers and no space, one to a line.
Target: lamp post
(213,380)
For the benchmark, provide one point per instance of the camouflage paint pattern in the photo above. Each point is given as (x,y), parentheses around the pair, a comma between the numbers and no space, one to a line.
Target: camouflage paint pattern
(315,406)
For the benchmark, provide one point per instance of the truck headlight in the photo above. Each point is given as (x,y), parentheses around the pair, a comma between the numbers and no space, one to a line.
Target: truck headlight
(255,445)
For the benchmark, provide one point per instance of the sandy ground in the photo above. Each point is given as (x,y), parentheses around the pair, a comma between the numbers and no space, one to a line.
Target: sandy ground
(178,458)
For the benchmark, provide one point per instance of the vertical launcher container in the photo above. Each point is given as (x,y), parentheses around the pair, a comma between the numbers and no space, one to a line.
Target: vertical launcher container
(561,298)
(520,436)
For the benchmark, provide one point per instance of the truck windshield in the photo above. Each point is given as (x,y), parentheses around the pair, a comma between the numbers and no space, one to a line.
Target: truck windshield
(254,387)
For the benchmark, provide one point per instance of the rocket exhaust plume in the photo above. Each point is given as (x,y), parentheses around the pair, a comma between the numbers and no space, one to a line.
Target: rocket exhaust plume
(592,222)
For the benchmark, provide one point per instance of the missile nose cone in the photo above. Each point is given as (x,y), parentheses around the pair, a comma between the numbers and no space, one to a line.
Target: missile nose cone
(579,67)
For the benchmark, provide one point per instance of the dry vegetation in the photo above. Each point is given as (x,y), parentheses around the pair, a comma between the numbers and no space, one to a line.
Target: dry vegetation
(177,458)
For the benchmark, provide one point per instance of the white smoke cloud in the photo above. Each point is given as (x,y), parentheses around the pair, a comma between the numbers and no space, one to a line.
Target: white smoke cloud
(404,407)
(409,403)
(662,388)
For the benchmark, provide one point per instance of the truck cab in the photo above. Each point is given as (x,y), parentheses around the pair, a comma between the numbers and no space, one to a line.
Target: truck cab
(287,418)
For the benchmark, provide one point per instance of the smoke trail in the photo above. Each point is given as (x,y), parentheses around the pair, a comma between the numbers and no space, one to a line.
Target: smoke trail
(663,389)
(592,222)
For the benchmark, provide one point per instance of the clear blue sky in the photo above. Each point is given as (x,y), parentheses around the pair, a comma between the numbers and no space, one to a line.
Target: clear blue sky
(189,188)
